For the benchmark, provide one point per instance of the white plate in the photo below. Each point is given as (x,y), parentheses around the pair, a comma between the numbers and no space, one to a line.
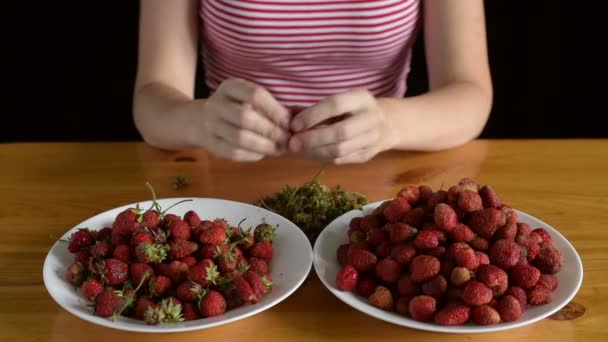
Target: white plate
(290,265)
(326,265)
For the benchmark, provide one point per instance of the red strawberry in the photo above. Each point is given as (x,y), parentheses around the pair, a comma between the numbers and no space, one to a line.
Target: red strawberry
(214,235)
(259,266)
(424,267)
(381,298)
(452,314)
(376,236)
(113,271)
(485,222)
(80,239)
(494,278)
(262,250)
(226,260)
(469,184)
(91,288)
(141,237)
(454,249)
(440,196)
(466,258)
(423,308)
(461,233)
(414,217)
(101,250)
(384,249)
(469,201)
(259,285)
(213,304)
(151,253)
(141,306)
(485,315)
(445,217)
(460,276)
(192,218)
(388,270)
(346,278)
(138,270)
(119,239)
(520,295)
(189,260)
(479,244)
(547,280)
(104,234)
(425,193)
(168,219)
(403,253)
(355,223)
(545,236)
(179,229)
(437,252)
(510,214)
(435,287)
(208,251)
(204,273)
(454,192)
(403,306)
(509,309)
(83,256)
(505,254)
(369,222)
(107,303)
(126,222)
(539,295)
(489,197)
(122,253)
(361,259)
(181,248)
(482,258)
(247,239)
(190,312)
(176,270)
(396,209)
(407,287)
(549,260)
(524,276)
(264,232)
(523,229)
(366,286)
(244,290)
(411,193)
(400,232)
(151,219)
(159,285)
(426,239)
(476,293)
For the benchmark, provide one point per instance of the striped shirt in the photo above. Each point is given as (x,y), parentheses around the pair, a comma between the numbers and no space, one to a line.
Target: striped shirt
(305,50)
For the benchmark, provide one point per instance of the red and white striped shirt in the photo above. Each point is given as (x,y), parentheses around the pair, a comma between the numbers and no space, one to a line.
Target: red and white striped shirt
(303,51)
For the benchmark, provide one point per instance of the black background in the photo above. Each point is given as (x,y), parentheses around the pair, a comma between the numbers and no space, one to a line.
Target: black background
(73,72)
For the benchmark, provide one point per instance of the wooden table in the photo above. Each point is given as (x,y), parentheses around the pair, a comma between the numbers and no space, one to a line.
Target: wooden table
(48,188)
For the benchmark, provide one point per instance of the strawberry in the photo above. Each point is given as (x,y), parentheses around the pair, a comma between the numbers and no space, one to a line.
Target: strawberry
(355,223)
(384,249)
(382,298)
(83,256)
(159,285)
(208,251)
(454,249)
(549,260)
(388,270)
(461,233)
(436,287)
(469,201)
(508,231)
(425,193)
(204,273)
(244,290)
(403,253)
(454,192)
(247,240)
(101,250)
(539,295)
(264,232)
(138,270)
(487,221)
(445,217)
(544,234)
(411,193)
(181,248)
(189,260)
(214,235)
(141,306)
(169,310)
(476,293)
(524,276)
(485,314)
(122,253)
(112,271)
(361,259)
(347,277)
(469,184)
(80,239)
(494,278)
(396,209)
(547,280)
(424,267)
(119,239)
(426,239)
(505,253)
(108,303)
(365,286)
(189,291)
(259,266)
(192,218)
(509,309)
(141,237)
(403,306)
(423,308)
(520,295)
(262,250)
(151,219)
(440,196)
(104,234)
(414,217)
(91,288)
(489,197)
(151,252)
(479,244)
(400,232)
(406,287)
(168,219)
(482,258)
(452,314)
(176,270)
(369,222)
(179,230)
(126,222)
(190,312)
(466,258)
(212,304)
(460,276)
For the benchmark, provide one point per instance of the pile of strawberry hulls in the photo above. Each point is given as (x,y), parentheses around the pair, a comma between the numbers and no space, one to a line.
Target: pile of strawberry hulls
(162,268)
(451,257)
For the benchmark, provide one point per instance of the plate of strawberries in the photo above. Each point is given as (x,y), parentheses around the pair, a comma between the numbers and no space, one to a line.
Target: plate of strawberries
(176,264)
(457,260)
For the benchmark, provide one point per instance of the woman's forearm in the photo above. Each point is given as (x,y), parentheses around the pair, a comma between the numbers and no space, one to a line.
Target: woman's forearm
(167,118)
(443,118)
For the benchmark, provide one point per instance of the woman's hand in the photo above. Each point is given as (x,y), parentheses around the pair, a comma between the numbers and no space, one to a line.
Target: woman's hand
(344,128)
(243,121)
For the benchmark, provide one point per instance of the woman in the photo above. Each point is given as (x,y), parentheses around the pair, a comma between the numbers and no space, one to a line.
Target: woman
(323,78)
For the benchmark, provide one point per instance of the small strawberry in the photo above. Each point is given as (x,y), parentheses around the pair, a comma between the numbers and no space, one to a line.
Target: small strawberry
(544,234)
(454,192)
(382,298)
(112,271)
(485,222)
(414,217)
(126,222)
(80,239)
(204,273)
(505,253)
(244,290)
(122,253)
(549,260)
(469,201)
(400,232)
(214,235)
(159,285)
(424,267)
(365,286)
(141,237)
(138,271)
(476,293)
(347,277)
(482,258)
(539,295)
(466,258)
(388,270)
(212,304)
(445,217)
(508,231)
(425,193)
(259,266)
(520,295)
(411,193)
(189,291)
(403,306)
(509,309)
(154,315)
(383,250)
(406,287)
(369,222)
(108,303)
(151,219)
(376,236)
(461,233)
(247,240)
(460,276)
(181,248)
(403,253)
(479,244)
(104,234)
(179,230)
(395,210)
(141,306)
(264,232)
(176,270)
(189,260)
(440,196)
(426,239)
(423,308)
(83,256)
(361,259)
(192,218)
(489,197)
(524,276)
(485,314)
(548,280)
(151,252)
(452,314)
(208,251)
(263,250)
(190,312)
(494,278)
(91,288)
(168,219)
(341,253)
(169,310)
(436,287)
(101,250)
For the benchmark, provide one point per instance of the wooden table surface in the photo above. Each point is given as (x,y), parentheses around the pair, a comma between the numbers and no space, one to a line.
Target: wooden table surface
(49,188)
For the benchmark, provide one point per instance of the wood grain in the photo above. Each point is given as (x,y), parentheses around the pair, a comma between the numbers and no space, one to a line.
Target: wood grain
(49,188)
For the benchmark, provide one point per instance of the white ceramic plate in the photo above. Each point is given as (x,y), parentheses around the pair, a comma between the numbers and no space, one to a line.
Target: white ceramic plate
(290,265)
(326,265)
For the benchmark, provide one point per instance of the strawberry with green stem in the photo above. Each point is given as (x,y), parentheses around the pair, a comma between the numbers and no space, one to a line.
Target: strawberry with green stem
(167,311)
(226,260)
(151,252)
